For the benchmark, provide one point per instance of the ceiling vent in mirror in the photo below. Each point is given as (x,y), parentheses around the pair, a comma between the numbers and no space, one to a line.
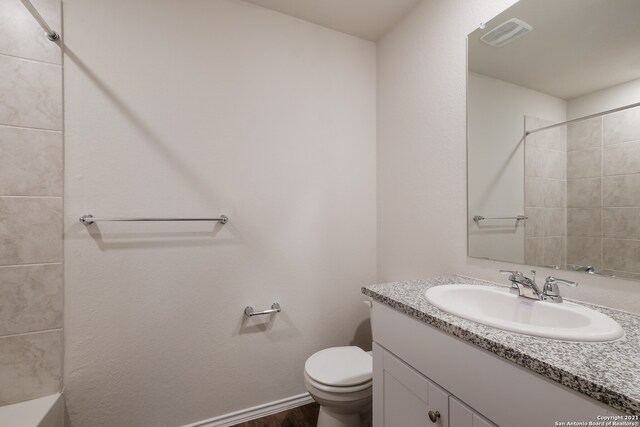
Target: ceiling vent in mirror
(506,32)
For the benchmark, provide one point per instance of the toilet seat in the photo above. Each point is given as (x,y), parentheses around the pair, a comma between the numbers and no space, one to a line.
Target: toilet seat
(339,370)
(337,389)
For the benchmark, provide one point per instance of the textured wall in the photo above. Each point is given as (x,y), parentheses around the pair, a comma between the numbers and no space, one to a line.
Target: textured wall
(422,155)
(197,108)
(31,294)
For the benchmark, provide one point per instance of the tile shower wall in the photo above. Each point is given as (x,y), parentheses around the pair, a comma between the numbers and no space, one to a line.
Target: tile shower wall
(584,194)
(603,169)
(545,194)
(31,285)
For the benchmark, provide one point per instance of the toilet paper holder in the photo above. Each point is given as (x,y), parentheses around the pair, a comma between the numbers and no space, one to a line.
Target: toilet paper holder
(250,312)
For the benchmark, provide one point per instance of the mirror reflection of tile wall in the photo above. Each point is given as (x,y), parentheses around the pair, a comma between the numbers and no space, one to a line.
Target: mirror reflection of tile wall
(621,193)
(545,189)
(602,186)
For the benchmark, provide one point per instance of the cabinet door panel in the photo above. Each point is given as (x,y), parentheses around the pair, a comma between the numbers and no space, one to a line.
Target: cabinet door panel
(479,421)
(402,407)
(460,415)
(407,396)
(406,375)
(438,402)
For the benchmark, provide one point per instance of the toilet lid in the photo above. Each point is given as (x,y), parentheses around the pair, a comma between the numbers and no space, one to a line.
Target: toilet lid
(340,366)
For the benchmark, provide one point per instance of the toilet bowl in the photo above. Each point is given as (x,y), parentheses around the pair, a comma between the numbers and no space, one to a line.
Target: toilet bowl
(339,379)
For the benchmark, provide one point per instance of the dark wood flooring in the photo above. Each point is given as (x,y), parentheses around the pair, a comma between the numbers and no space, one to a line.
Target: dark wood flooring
(302,416)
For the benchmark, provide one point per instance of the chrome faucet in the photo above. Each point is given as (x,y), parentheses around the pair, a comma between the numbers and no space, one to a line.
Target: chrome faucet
(523,286)
(551,293)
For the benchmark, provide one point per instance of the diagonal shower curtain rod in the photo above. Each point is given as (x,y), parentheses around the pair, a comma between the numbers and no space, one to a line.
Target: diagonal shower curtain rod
(51,35)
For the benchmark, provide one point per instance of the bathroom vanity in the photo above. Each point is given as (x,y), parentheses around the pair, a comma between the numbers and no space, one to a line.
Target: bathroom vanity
(434,368)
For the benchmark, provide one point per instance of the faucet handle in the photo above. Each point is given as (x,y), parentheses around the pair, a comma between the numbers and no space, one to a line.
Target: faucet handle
(551,292)
(511,273)
(554,280)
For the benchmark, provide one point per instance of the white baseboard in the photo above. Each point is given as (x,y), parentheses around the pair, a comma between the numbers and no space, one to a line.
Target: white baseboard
(256,412)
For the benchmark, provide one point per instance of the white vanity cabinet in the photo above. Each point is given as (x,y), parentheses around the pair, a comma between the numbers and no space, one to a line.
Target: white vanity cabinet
(418,368)
(404,397)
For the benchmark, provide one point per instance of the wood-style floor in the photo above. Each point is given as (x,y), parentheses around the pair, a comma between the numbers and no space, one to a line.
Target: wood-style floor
(302,416)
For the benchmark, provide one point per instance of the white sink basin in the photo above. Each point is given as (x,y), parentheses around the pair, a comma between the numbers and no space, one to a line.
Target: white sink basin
(499,308)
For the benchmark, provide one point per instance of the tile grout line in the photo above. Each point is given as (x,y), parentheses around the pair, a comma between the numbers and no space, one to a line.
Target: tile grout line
(30,197)
(35,61)
(30,333)
(2,125)
(606,145)
(35,264)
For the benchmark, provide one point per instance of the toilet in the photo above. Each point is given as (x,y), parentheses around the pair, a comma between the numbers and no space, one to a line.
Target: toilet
(339,379)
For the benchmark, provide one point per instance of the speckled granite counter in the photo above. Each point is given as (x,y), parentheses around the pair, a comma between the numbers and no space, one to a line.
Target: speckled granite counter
(608,372)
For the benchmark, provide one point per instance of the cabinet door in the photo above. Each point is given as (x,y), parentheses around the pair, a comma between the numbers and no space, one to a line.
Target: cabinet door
(460,415)
(404,397)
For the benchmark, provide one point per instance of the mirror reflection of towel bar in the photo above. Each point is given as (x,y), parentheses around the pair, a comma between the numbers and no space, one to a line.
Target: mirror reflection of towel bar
(90,219)
(517,218)
(275,308)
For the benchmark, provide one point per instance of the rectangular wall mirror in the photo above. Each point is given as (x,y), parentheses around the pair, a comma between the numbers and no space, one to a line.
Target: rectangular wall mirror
(553,107)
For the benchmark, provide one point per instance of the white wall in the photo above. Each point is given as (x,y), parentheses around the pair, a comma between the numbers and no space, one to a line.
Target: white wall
(421,153)
(605,99)
(496,111)
(197,108)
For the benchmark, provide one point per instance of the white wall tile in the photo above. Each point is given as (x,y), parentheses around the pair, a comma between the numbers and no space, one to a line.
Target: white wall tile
(30,366)
(585,163)
(534,225)
(621,223)
(30,162)
(534,192)
(31,298)
(622,255)
(584,134)
(622,158)
(622,126)
(534,251)
(621,191)
(554,222)
(31,94)
(554,164)
(30,230)
(584,193)
(22,36)
(555,193)
(584,222)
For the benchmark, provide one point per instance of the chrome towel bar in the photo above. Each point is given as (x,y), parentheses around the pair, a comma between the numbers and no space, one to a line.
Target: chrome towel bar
(275,308)
(90,219)
(517,218)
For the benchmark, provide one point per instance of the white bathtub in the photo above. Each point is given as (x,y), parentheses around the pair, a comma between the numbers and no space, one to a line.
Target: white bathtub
(46,411)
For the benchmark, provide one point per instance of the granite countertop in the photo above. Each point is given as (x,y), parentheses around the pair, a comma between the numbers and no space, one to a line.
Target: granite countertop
(608,372)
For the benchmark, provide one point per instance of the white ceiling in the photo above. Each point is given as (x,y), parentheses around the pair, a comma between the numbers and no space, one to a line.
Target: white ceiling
(367,19)
(576,46)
